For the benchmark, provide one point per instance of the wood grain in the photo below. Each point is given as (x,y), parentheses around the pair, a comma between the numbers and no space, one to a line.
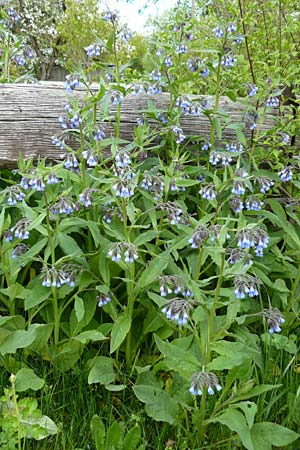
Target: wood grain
(29,118)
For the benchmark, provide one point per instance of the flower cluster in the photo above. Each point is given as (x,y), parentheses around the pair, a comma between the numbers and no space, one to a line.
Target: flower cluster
(122,249)
(93,50)
(204,380)
(14,195)
(59,277)
(179,136)
(200,234)
(173,283)
(20,230)
(86,197)
(154,184)
(256,238)
(72,82)
(208,192)
(245,285)
(63,206)
(90,157)
(19,250)
(103,299)
(70,161)
(174,212)
(274,319)
(237,255)
(286,174)
(178,309)
(220,157)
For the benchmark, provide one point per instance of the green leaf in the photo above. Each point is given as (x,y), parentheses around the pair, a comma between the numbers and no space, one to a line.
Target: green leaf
(17,339)
(90,335)
(68,355)
(27,379)
(233,354)
(68,245)
(2,216)
(119,331)
(34,250)
(38,427)
(35,294)
(177,358)
(115,387)
(43,333)
(15,322)
(236,422)
(249,409)
(257,390)
(79,308)
(102,371)
(145,237)
(114,435)
(266,434)
(98,432)
(151,272)
(159,404)
(132,438)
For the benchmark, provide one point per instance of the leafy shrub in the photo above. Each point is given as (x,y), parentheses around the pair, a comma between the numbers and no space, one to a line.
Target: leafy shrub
(170,260)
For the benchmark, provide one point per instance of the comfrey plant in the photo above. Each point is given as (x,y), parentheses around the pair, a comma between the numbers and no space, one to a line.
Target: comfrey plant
(171,248)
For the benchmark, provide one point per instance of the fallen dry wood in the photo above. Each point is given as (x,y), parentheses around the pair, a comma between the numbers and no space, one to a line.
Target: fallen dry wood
(29,118)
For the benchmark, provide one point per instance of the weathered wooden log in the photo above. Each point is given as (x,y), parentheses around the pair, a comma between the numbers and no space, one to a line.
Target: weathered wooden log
(29,118)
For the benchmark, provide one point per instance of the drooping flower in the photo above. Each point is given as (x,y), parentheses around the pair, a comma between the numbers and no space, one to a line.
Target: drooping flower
(19,250)
(208,192)
(286,174)
(245,285)
(103,299)
(20,229)
(274,319)
(200,234)
(178,309)
(204,380)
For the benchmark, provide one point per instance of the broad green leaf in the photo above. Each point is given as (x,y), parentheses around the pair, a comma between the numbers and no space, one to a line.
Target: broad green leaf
(79,308)
(236,422)
(17,339)
(233,354)
(98,432)
(43,333)
(35,294)
(2,216)
(34,250)
(68,245)
(39,427)
(132,438)
(90,305)
(119,331)
(280,286)
(68,355)
(151,272)
(14,291)
(115,387)
(177,358)
(114,435)
(249,409)
(90,335)
(267,434)
(9,322)
(27,379)
(102,371)
(145,237)
(257,390)
(153,321)
(159,404)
